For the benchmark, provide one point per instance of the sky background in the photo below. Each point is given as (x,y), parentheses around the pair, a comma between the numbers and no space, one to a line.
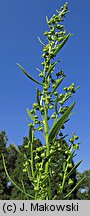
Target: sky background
(21,22)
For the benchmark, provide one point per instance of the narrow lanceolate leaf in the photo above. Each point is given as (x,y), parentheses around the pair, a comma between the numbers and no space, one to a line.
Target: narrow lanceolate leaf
(57,125)
(29,75)
(60,46)
(76,186)
(73,169)
(16,148)
(56,106)
(29,114)
(11,180)
(41,41)
(30,133)
(37,97)
(51,69)
(57,84)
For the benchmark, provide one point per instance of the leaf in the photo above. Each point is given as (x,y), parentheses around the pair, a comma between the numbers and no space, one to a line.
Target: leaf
(30,133)
(51,68)
(79,182)
(24,189)
(56,105)
(16,148)
(61,45)
(41,41)
(37,97)
(74,168)
(29,75)
(10,179)
(29,114)
(48,157)
(57,125)
(57,84)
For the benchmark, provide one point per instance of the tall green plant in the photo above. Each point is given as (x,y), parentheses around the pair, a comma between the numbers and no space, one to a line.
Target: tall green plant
(49,167)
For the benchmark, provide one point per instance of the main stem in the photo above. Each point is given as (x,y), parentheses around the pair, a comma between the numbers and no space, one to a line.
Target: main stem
(45,121)
(32,168)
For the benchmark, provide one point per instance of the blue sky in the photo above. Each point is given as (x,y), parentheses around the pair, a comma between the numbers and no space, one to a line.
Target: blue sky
(21,22)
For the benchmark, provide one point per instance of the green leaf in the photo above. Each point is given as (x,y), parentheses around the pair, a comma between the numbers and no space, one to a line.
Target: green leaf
(10,179)
(29,114)
(57,84)
(48,157)
(79,182)
(29,75)
(74,168)
(30,133)
(56,105)
(37,97)
(41,41)
(58,124)
(24,189)
(60,46)
(51,68)
(16,148)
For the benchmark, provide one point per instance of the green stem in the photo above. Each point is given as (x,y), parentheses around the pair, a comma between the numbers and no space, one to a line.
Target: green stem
(32,164)
(65,172)
(45,122)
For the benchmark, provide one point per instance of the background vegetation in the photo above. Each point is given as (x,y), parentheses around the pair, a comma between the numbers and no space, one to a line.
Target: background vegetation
(14,165)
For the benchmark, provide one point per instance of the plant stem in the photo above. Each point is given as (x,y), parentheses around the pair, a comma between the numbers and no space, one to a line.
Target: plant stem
(32,168)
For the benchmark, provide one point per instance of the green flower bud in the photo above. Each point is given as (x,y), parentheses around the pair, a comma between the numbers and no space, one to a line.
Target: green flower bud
(60,174)
(70,182)
(51,107)
(45,88)
(40,128)
(73,84)
(53,85)
(70,165)
(71,140)
(36,122)
(46,68)
(56,93)
(41,169)
(39,149)
(43,98)
(36,157)
(53,172)
(66,89)
(61,102)
(46,33)
(48,97)
(53,147)
(36,189)
(43,155)
(35,105)
(35,116)
(76,146)
(59,149)
(26,146)
(51,151)
(61,96)
(42,109)
(44,55)
(76,137)
(42,177)
(41,74)
(24,170)
(53,116)
(32,111)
